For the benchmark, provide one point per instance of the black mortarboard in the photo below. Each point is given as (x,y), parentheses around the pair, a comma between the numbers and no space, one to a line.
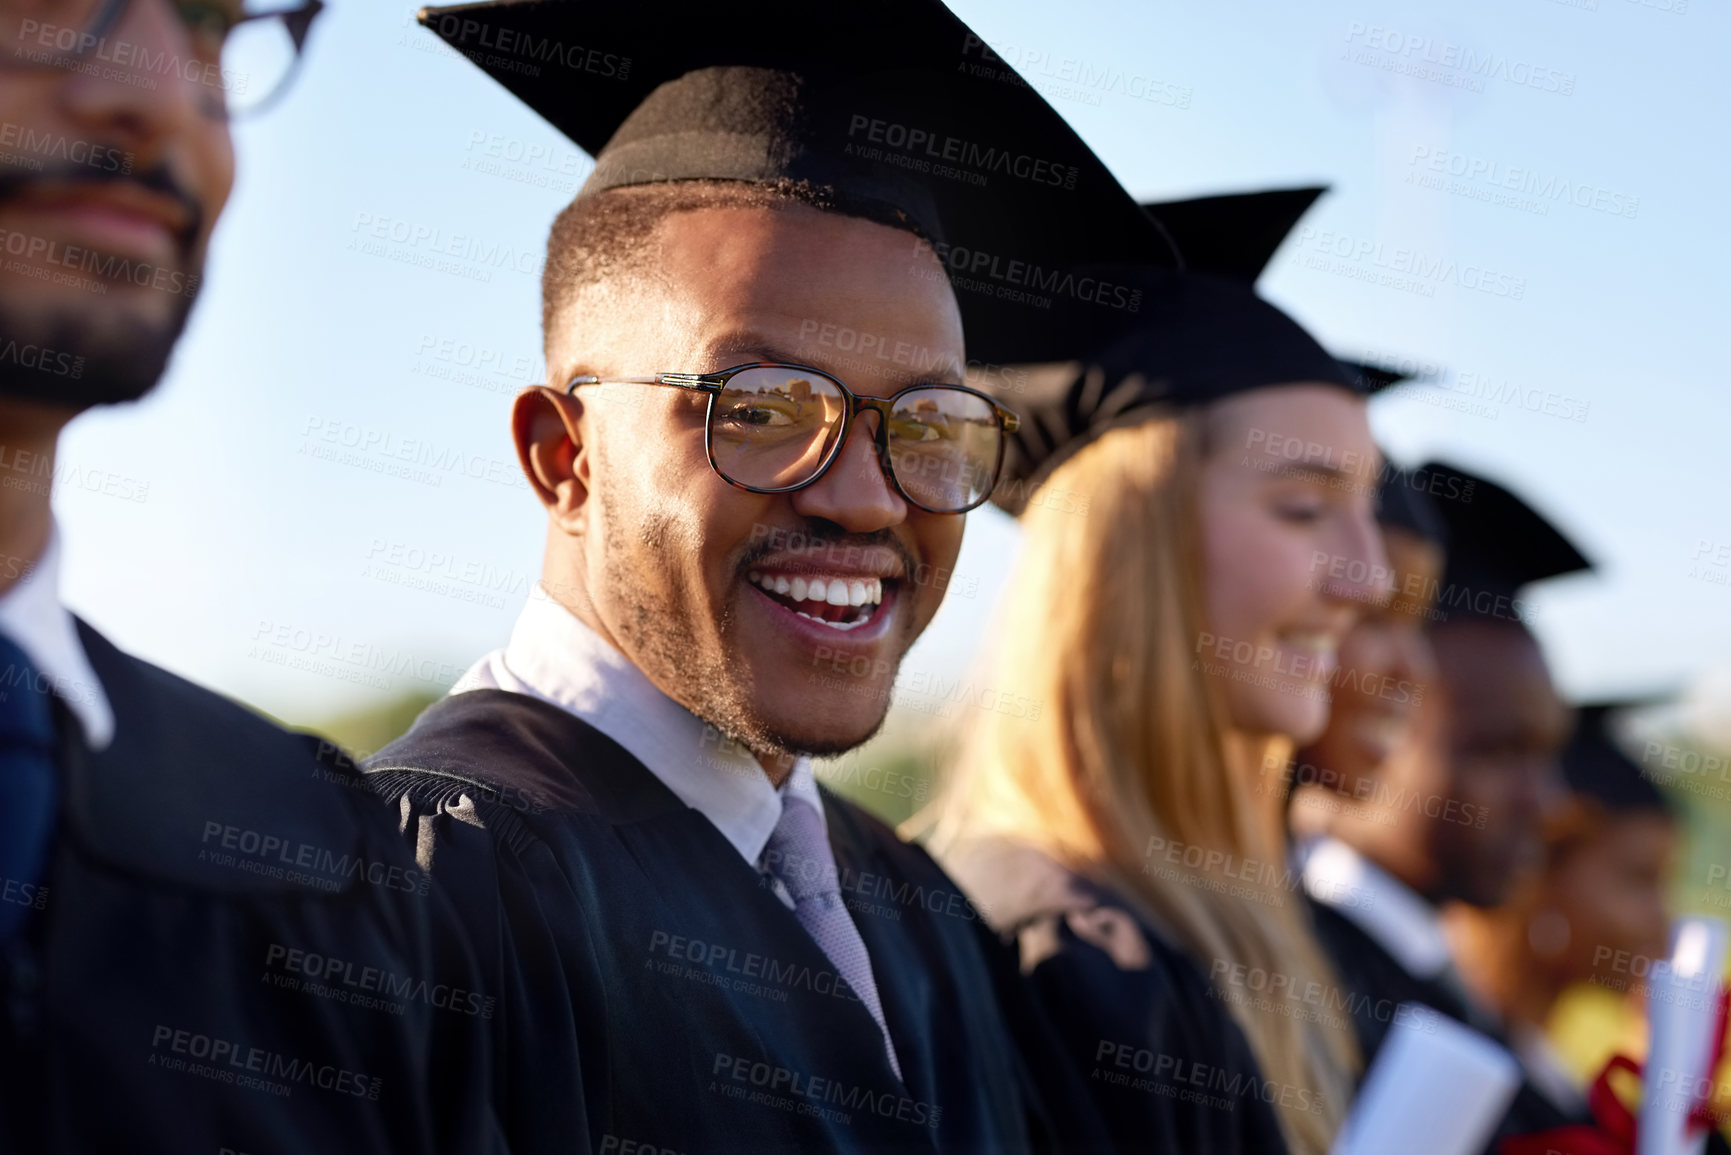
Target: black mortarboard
(1233,234)
(1236,234)
(1596,767)
(1199,336)
(1401,503)
(1497,545)
(894,110)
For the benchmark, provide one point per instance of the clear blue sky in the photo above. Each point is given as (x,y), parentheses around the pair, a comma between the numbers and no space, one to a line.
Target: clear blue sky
(251,558)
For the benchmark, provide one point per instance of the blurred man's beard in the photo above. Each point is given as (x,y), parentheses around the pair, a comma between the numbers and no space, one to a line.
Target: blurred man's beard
(91,353)
(78,359)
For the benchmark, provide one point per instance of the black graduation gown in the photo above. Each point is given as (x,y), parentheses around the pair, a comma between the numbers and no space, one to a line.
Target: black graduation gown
(162,998)
(1165,1063)
(653,988)
(1377,984)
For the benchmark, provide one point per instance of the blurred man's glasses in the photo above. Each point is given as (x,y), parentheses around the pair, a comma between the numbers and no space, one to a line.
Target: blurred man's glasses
(241,52)
(776,428)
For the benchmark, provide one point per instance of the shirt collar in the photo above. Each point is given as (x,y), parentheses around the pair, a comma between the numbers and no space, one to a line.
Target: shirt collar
(33,617)
(1378,903)
(553,655)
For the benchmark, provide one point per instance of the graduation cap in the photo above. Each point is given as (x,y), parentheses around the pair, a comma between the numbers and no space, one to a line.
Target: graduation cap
(1401,503)
(1233,234)
(1595,766)
(1497,545)
(1200,335)
(893,110)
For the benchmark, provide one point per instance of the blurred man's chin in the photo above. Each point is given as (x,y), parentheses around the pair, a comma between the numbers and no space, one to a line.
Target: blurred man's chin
(77,354)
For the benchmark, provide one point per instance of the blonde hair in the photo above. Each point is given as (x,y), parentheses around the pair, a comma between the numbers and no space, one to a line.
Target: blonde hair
(1131,742)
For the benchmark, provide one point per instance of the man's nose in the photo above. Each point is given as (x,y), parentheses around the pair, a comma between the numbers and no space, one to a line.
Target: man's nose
(856,492)
(147,87)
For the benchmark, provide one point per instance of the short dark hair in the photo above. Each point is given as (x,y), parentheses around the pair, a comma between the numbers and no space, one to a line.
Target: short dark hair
(606,235)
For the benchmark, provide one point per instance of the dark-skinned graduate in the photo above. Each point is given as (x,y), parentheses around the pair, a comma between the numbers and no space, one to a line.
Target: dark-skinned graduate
(754,451)
(1599,900)
(211,937)
(1119,836)
(1449,801)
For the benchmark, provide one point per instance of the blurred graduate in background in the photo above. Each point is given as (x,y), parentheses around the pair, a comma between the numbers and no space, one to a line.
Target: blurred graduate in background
(1596,911)
(1439,792)
(1170,616)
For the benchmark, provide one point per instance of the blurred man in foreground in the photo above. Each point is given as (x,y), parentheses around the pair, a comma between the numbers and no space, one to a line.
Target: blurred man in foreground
(209,939)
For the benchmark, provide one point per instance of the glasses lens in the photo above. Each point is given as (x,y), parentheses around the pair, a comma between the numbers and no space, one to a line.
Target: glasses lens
(258,56)
(773,428)
(944,447)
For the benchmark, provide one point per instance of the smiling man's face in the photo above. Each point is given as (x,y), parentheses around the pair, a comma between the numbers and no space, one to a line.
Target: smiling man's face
(700,583)
(109,187)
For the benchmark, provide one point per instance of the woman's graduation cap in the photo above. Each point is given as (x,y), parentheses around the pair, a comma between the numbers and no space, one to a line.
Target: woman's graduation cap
(1199,336)
(1497,545)
(892,110)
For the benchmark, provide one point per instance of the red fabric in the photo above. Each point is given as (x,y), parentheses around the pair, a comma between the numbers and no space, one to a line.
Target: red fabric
(1612,1131)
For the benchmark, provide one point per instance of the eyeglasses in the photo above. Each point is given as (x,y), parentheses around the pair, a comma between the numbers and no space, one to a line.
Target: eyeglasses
(241,52)
(774,428)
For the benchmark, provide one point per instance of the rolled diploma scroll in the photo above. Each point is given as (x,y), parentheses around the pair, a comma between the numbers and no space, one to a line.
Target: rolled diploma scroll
(1436,1088)
(1682,1010)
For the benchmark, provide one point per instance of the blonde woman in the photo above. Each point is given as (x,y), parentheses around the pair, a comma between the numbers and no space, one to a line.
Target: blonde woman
(1199,535)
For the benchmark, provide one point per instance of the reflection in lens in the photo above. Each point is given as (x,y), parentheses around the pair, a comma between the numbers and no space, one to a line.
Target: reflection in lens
(944,446)
(772,428)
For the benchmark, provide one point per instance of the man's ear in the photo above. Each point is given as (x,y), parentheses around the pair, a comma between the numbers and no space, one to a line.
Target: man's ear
(546,426)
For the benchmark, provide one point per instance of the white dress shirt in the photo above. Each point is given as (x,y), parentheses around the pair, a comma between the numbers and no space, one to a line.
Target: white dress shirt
(554,656)
(1378,903)
(33,618)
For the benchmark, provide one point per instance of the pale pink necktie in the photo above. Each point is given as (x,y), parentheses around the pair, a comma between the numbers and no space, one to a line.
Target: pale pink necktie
(799,855)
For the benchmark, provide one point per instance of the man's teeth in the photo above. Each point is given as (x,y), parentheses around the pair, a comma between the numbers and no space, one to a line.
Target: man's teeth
(834,591)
